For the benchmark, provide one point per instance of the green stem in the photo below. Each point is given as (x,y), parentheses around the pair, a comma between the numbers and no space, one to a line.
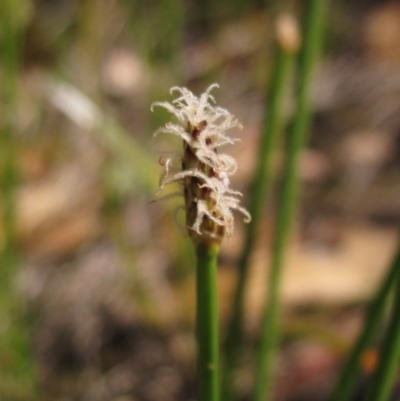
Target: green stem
(297,137)
(10,45)
(207,323)
(260,186)
(17,377)
(372,320)
(389,355)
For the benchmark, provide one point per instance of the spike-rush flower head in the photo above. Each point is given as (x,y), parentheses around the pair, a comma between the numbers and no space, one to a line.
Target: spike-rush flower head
(209,201)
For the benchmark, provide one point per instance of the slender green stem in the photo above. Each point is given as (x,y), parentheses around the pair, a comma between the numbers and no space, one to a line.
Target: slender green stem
(389,355)
(207,323)
(349,374)
(297,136)
(260,186)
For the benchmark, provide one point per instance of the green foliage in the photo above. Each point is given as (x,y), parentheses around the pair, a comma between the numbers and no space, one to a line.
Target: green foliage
(351,371)
(17,379)
(297,135)
(259,190)
(389,356)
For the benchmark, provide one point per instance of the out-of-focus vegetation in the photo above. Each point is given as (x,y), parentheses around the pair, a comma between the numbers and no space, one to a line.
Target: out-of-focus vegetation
(96,280)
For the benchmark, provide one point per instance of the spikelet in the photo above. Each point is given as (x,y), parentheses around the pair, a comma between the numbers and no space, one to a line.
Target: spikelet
(203,171)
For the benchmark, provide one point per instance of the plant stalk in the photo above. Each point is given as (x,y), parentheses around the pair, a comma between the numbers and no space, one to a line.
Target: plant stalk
(260,186)
(18,380)
(207,322)
(9,48)
(349,374)
(389,355)
(297,136)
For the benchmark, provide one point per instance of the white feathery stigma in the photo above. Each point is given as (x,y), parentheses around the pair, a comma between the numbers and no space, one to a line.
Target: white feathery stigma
(203,171)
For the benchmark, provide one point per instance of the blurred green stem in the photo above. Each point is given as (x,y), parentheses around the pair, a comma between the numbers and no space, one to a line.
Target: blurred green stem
(260,186)
(312,35)
(17,379)
(10,44)
(389,355)
(349,374)
(207,323)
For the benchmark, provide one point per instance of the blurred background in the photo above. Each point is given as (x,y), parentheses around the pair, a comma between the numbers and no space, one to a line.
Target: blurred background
(96,285)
